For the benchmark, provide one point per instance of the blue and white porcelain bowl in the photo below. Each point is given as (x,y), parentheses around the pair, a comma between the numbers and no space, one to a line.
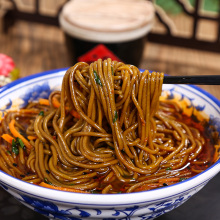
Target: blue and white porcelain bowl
(140,205)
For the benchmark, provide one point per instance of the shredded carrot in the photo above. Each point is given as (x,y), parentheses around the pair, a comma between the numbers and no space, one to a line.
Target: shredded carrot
(32,138)
(56,104)
(61,188)
(44,102)
(75,114)
(17,134)
(167,180)
(7,138)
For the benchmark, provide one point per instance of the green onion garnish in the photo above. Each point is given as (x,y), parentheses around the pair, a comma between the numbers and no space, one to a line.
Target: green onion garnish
(115,117)
(97,79)
(182,179)
(41,113)
(20,142)
(15,147)
(47,181)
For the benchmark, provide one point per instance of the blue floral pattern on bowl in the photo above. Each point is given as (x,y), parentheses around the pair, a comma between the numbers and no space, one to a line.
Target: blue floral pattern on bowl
(36,92)
(51,210)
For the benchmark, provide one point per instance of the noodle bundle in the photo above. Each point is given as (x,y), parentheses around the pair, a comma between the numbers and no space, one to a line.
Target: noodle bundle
(105,132)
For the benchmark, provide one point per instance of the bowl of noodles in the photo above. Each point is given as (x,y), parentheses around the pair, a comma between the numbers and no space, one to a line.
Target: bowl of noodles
(106,141)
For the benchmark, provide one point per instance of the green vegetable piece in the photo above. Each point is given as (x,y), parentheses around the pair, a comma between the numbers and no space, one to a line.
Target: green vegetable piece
(8,152)
(16,144)
(115,117)
(47,181)
(41,113)
(169,168)
(112,71)
(97,79)
(15,147)
(182,179)
(20,142)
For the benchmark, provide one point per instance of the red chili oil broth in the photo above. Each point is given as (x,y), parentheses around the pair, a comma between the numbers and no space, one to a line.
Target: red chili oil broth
(207,152)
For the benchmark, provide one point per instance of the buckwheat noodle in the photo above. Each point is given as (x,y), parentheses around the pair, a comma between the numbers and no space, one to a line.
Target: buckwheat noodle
(106,131)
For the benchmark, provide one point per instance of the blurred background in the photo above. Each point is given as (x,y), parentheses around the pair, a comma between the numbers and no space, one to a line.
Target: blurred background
(184,40)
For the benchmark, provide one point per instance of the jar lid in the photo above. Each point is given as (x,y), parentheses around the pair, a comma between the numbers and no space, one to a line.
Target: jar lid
(107,20)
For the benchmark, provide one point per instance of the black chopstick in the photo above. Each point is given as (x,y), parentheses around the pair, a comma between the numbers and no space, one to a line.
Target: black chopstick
(196,80)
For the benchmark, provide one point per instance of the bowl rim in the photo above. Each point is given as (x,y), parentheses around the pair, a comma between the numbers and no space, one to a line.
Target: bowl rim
(131,199)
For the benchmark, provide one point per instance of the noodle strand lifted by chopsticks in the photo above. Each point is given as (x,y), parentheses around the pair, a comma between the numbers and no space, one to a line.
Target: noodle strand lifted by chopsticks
(122,139)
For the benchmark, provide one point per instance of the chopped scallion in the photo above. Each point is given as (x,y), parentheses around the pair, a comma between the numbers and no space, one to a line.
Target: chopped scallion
(41,113)
(47,181)
(182,179)
(97,79)
(15,147)
(20,142)
(112,71)
(115,117)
